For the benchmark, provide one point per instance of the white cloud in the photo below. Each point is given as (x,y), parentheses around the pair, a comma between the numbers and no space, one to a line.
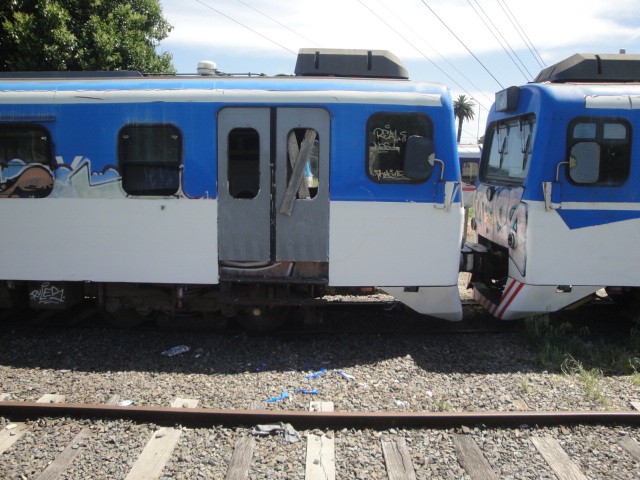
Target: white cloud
(350,24)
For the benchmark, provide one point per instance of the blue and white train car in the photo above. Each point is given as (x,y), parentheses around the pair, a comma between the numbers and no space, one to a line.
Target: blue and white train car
(469,156)
(235,194)
(557,211)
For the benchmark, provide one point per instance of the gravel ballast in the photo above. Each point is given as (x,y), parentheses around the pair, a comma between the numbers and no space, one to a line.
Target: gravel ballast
(391,372)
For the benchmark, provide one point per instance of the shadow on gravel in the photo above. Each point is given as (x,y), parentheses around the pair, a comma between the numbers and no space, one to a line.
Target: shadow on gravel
(348,337)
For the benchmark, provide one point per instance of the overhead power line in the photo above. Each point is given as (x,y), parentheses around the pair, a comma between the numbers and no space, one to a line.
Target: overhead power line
(493,31)
(439,55)
(463,44)
(514,21)
(417,49)
(245,26)
(279,23)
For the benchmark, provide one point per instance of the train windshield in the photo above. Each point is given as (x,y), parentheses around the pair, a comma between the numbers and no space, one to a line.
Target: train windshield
(506,159)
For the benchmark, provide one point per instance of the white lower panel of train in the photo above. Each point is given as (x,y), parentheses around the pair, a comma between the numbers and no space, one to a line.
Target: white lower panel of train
(602,252)
(385,244)
(395,245)
(558,262)
(109,240)
(520,300)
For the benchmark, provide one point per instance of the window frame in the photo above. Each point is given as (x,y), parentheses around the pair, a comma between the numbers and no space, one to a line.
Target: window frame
(232,171)
(403,135)
(600,122)
(123,164)
(493,128)
(34,127)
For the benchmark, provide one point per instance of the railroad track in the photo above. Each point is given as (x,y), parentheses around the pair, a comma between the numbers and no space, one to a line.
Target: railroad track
(401,461)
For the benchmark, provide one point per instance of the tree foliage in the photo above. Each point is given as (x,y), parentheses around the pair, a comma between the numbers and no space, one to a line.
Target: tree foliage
(463,110)
(38,35)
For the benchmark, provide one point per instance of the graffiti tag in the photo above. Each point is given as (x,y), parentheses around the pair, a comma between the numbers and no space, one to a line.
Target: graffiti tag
(47,294)
(386,139)
(390,175)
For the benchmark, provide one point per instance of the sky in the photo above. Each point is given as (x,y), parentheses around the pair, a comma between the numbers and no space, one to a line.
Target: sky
(475,47)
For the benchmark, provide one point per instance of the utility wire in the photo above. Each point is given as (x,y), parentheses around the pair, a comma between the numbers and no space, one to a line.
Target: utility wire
(281,24)
(416,48)
(521,32)
(440,55)
(463,44)
(244,26)
(493,32)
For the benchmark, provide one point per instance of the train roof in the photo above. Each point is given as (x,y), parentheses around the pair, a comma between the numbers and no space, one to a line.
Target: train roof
(229,90)
(594,80)
(593,68)
(351,63)
(230,82)
(317,70)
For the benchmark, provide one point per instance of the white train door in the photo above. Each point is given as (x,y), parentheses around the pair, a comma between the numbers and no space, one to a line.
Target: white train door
(273,184)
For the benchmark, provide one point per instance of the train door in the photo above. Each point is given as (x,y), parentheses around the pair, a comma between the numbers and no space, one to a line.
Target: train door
(273,184)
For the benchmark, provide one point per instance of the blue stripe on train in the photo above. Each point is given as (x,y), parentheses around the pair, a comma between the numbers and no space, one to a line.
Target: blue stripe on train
(590,218)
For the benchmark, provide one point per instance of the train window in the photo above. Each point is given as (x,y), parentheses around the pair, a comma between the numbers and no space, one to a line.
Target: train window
(584,130)
(243,157)
(150,158)
(469,171)
(302,139)
(506,159)
(598,152)
(387,134)
(24,143)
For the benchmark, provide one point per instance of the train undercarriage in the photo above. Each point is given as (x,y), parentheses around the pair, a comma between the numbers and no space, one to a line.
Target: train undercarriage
(260,298)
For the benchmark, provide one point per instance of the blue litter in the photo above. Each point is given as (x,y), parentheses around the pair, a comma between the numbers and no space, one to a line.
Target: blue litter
(317,374)
(345,375)
(306,392)
(284,395)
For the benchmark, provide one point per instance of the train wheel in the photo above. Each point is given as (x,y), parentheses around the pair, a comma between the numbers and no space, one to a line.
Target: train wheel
(263,319)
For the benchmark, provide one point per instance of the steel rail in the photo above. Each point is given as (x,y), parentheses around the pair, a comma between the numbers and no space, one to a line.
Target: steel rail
(204,417)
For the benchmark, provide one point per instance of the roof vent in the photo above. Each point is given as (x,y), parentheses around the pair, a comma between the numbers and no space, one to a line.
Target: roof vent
(207,68)
(589,67)
(349,63)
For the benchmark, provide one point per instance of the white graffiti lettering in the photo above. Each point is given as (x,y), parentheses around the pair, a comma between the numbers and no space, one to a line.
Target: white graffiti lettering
(386,139)
(47,294)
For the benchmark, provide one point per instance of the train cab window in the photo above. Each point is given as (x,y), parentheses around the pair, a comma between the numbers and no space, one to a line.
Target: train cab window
(150,158)
(598,152)
(243,158)
(300,141)
(506,160)
(387,134)
(24,143)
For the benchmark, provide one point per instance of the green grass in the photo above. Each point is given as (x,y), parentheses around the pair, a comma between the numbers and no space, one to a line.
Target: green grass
(579,355)
(590,379)
(556,343)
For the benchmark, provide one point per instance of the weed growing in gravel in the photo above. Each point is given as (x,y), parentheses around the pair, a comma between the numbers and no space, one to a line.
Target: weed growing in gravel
(443,405)
(590,379)
(524,385)
(555,343)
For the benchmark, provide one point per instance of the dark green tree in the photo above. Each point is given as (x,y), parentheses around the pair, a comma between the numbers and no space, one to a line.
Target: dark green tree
(463,110)
(38,35)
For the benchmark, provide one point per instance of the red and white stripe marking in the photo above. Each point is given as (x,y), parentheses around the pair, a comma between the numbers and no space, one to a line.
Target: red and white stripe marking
(510,293)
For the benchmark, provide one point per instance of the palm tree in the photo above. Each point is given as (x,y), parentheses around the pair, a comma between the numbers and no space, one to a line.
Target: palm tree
(463,110)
